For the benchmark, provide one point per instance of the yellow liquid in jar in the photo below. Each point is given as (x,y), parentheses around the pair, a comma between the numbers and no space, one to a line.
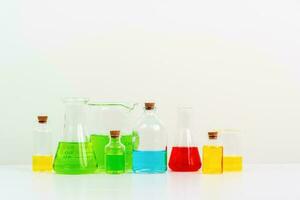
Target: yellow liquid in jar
(232,163)
(212,159)
(42,163)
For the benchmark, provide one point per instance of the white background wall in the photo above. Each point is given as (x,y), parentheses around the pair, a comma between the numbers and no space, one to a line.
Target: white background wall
(237,62)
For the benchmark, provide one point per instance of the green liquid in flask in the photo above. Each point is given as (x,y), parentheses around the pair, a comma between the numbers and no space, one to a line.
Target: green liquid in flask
(99,142)
(75,158)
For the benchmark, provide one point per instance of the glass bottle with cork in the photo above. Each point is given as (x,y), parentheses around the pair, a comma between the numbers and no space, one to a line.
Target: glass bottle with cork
(42,156)
(212,155)
(115,154)
(150,155)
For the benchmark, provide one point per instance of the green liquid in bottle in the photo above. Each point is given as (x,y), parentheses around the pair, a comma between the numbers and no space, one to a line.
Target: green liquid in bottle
(75,158)
(100,141)
(115,164)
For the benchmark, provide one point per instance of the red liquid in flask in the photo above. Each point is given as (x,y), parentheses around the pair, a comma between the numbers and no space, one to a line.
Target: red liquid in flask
(185,159)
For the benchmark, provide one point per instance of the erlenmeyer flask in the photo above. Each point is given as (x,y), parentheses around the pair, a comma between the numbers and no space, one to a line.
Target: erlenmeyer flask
(75,153)
(185,154)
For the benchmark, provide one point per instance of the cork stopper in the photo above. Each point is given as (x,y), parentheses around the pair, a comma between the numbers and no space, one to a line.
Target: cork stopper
(115,133)
(149,105)
(42,119)
(212,135)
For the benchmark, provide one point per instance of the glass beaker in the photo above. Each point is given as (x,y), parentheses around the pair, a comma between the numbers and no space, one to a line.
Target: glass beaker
(232,159)
(104,117)
(75,153)
(185,155)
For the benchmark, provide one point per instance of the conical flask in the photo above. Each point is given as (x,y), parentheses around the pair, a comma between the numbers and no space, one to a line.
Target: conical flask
(75,153)
(185,155)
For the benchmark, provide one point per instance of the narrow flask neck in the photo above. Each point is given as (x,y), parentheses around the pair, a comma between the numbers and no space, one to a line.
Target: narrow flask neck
(74,124)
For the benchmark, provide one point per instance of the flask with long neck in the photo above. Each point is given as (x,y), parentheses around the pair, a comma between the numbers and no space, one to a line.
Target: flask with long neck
(185,154)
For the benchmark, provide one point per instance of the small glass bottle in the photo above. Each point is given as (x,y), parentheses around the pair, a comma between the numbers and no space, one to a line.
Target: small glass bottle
(106,116)
(150,155)
(185,155)
(115,154)
(42,157)
(212,155)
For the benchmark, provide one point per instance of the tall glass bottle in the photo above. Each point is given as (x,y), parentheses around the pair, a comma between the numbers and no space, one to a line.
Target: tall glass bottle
(212,155)
(150,155)
(115,154)
(75,153)
(42,156)
(185,154)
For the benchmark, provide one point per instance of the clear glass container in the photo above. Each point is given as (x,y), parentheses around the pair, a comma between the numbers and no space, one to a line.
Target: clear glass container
(232,142)
(150,153)
(42,156)
(75,153)
(104,117)
(212,155)
(115,154)
(185,155)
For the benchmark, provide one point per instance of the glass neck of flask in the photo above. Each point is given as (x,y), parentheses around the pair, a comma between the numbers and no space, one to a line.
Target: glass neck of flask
(185,127)
(74,127)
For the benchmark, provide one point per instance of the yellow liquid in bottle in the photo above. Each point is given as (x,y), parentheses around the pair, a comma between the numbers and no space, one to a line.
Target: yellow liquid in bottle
(232,163)
(42,163)
(212,159)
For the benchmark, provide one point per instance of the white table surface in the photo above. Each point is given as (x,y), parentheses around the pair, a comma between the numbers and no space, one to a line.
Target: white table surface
(255,182)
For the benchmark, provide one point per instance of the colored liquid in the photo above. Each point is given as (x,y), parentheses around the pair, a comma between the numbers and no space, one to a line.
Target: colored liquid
(185,159)
(42,163)
(115,164)
(212,159)
(74,158)
(100,141)
(232,163)
(149,161)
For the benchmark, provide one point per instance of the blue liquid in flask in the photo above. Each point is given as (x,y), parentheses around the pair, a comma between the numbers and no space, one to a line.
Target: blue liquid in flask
(149,161)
